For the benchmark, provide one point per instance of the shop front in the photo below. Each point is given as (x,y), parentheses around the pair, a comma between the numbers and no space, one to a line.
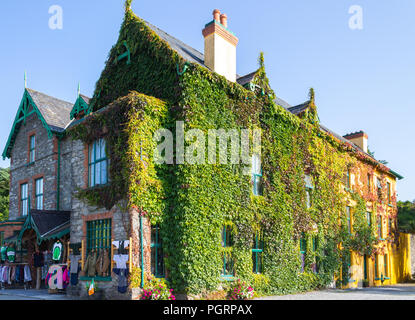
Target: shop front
(36,257)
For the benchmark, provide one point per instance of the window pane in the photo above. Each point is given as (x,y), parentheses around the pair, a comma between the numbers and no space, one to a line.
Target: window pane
(104,172)
(97,173)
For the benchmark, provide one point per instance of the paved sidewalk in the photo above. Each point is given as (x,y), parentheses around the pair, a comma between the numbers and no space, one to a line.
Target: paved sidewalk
(10,294)
(396,292)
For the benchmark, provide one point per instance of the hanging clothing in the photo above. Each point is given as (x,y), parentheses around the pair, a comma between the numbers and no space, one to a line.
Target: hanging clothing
(57,251)
(121,260)
(76,248)
(74,263)
(37,260)
(122,279)
(121,246)
(74,278)
(3,251)
(13,274)
(90,264)
(11,254)
(27,274)
(44,272)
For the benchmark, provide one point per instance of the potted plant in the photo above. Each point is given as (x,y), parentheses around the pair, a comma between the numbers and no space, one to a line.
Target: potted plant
(365,283)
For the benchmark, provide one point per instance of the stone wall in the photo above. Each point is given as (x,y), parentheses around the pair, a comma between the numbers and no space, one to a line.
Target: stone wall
(45,166)
(82,213)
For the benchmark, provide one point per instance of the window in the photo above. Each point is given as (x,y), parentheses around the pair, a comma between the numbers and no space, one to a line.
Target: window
(380,234)
(379,187)
(24,199)
(309,190)
(256,175)
(227,242)
(303,250)
(385,264)
(376,268)
(348,179)
(315,265)
(369,218)
(39,194)
(157,256)
(389,192)
(98,163)
(257,253)
(98,235)
(390,226)
(349,219)
(366,277)
(32,149)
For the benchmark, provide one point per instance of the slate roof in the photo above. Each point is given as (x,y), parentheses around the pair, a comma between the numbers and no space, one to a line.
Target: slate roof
(55,112)
(246,78)
(186,52)
(50,221)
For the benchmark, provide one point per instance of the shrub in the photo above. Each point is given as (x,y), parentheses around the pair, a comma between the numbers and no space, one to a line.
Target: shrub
(156,289)
(241,291)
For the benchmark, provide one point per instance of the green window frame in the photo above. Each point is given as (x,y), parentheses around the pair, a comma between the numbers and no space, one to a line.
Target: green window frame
(385,265)
(349,219)
(98,163)
(369,218)
(24,199)
(376,267)
(365,275)
(1,238)
(39,193)
(380,228)
(32,149)
(98,235)
(348,184)
(228,263)
(256,175)
(303,250)
(258,253)
(157,255)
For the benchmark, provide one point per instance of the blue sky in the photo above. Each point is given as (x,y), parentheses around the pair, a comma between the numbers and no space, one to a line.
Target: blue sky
(364,79)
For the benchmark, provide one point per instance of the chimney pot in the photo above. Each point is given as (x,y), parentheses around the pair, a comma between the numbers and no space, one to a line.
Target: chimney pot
(224,20)
(216,15)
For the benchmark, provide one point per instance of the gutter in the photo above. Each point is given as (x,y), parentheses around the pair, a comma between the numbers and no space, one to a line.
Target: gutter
(58,178)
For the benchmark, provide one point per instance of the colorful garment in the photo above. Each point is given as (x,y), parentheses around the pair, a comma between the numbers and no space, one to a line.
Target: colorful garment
(3,251)
(57,251)
(11,254)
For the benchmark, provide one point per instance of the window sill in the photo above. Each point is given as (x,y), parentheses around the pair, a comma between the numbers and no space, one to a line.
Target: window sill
(102,279)
(381,239)
(352,281)
(228,278)
(390,205)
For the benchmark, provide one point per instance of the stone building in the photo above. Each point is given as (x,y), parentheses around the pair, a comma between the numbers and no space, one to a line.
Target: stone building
(50,168)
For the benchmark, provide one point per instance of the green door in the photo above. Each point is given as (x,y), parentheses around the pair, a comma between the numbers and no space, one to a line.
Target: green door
(365,267)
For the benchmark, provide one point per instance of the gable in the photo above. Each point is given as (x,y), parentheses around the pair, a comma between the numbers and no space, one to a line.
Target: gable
(52,113)
(141,61)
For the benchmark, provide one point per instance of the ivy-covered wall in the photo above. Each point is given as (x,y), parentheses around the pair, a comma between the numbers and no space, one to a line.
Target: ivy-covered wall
(192,203)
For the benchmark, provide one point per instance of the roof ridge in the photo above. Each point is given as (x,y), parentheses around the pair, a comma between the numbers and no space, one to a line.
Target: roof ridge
(45,94)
